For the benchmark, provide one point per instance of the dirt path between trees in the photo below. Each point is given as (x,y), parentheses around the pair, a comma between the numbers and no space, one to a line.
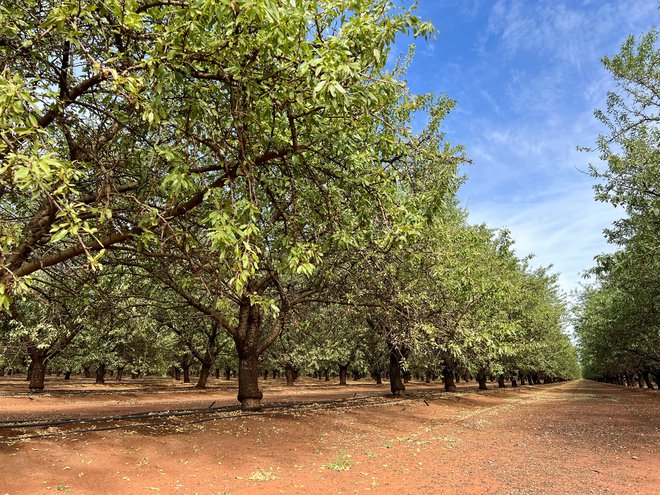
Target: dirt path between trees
(576,437)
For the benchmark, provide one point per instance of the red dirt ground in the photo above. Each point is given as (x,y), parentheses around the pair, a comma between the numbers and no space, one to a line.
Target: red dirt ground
(575,437)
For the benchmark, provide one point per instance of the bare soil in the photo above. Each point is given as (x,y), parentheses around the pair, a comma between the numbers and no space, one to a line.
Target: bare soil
(575,437)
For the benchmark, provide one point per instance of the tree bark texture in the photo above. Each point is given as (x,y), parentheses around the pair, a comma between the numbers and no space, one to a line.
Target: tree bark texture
(249,394)
(38,367)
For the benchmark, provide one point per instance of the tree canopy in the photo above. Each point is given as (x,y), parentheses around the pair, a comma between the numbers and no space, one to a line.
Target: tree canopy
(183,177)
(618,318)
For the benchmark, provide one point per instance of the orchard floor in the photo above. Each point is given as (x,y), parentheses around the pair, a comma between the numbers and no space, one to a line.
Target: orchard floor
(575,437)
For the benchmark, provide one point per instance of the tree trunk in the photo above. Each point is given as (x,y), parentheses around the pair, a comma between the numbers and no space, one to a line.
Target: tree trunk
(38,365)
(120,373)
(326,375)
(100,373)
(396,384)
(343,373)
(249,394)
(186,373)
(87,370)
(500,382)
(645,375)
(291,375)
(217,373)
(265,374)
(227,373)
(378,376)
(514,382)
(450,385)
(481,379)
(67,375)
(522,379)
(204,374)
(629,382)
(656,376)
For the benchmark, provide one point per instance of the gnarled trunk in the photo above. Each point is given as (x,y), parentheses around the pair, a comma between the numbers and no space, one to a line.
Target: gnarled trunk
(250,343)
(500,382)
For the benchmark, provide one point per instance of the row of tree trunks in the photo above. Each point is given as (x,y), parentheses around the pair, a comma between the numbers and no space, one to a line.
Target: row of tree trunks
(640,378)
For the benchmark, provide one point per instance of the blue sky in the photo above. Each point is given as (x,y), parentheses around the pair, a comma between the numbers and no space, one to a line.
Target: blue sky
(527,77)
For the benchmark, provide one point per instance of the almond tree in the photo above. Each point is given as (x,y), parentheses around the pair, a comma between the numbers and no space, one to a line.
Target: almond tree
(617,319)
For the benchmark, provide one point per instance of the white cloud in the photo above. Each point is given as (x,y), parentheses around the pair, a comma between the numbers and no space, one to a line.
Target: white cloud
(527,76)
(561,30)
(561,226)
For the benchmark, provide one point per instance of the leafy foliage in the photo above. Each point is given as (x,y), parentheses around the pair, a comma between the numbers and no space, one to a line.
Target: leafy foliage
(618,319)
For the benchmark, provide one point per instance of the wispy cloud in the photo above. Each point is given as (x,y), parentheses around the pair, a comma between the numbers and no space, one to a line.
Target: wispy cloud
(563,227)
(527,76)
(565,31)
